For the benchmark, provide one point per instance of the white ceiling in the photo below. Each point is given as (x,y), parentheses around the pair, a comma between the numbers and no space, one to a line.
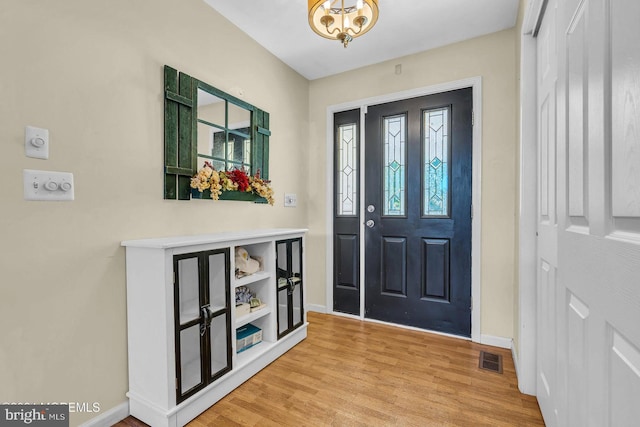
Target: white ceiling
(404,27)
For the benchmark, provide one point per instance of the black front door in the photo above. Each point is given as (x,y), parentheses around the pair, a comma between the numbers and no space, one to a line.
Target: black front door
(418,157)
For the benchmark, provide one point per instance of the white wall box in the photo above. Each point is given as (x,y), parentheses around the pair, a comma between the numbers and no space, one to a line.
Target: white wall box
(182,323)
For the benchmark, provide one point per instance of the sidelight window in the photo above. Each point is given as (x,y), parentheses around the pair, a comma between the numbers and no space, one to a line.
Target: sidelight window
(347,188)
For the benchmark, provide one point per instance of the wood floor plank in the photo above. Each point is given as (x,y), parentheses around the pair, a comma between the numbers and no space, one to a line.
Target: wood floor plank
(353,373)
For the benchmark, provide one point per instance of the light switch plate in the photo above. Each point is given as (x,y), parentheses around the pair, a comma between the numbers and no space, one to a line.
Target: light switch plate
(36,142)
(290,200)
(45,185)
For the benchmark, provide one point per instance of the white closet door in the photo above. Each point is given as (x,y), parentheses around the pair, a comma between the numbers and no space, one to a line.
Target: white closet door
(589,307)
(547,264)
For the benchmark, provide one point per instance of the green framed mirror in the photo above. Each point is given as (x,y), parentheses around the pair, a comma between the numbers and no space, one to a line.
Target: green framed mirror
(205,124)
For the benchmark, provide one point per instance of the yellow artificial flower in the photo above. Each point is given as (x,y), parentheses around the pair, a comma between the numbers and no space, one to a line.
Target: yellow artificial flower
(201,180)
(214,183)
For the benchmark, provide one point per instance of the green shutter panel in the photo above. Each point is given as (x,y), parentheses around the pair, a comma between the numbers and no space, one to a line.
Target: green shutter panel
(179,134)
(261,147)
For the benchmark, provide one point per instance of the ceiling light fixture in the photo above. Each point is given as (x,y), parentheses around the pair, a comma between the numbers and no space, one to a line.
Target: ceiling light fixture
(333,20)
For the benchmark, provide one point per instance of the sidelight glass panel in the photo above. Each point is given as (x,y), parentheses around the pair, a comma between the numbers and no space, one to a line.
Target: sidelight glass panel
(436,162)
(394,177)
(190,372)
(347,189)
(189,289)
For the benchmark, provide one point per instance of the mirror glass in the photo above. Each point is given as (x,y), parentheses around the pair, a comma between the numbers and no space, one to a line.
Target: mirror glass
(211,108)
(224,133)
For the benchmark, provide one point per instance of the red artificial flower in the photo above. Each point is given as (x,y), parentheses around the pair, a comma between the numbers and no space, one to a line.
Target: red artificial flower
(239,177)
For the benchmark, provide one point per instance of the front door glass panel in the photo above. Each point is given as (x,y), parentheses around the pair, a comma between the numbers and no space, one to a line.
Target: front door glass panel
(436,162)
(394,176)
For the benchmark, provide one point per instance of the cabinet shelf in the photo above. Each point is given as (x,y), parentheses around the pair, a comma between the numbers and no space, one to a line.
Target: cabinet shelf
(255,277)
(252,353)
(248,318)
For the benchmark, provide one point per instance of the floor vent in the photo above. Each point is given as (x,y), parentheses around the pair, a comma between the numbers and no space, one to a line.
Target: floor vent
(491,362)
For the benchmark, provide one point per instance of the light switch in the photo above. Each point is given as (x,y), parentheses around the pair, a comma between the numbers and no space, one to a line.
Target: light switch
(290,200)
(36,142)
(45,185)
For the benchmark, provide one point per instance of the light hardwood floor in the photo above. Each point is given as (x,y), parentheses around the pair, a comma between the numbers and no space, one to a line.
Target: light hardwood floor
(353,373)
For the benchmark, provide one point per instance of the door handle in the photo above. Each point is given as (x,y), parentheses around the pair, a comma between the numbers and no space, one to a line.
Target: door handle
(370,223)
(206,319)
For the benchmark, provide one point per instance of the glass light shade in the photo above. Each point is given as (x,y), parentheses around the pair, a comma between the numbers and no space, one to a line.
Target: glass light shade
(344,20)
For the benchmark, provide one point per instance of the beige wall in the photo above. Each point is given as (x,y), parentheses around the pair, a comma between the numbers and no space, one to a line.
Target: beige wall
(493,57)
(92,73)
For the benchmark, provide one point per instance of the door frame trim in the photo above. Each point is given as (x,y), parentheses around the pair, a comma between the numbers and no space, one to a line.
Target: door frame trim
(526,353)
(475,83)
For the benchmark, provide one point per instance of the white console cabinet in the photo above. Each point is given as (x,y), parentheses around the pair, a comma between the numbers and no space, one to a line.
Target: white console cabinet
(182,319)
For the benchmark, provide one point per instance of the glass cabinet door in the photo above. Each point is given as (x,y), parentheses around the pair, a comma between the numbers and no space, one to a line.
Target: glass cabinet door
(283,288)
(202,319)
(296,282)
(188,324)
(289,285)
(283,308)
(219,338)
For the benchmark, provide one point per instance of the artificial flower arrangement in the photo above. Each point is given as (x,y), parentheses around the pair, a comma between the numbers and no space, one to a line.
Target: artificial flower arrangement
(208,178)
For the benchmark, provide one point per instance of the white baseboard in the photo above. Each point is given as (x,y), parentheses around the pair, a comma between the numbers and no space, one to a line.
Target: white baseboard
(496,341)
(110,417)
(514,356)
(317,308)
